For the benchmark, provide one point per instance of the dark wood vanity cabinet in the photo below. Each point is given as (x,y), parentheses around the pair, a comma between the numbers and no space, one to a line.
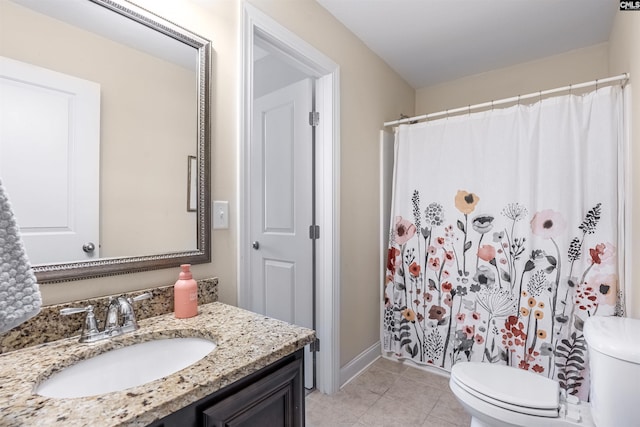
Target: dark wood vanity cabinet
(271,397)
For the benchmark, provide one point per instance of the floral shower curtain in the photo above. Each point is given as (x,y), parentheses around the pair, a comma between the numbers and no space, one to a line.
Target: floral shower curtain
(505,231)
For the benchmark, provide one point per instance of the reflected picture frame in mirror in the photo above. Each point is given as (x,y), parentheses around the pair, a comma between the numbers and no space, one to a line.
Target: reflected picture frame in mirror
(71,271)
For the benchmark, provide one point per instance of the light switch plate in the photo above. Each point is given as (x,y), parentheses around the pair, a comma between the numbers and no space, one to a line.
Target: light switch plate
(220,215)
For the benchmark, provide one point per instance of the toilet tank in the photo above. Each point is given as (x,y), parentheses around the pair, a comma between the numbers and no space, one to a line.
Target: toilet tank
(614,362)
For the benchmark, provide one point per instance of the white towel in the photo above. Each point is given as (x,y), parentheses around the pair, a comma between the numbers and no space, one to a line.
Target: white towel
(19,292)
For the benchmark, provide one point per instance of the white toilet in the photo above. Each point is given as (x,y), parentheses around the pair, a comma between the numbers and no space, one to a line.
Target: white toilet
(503,396)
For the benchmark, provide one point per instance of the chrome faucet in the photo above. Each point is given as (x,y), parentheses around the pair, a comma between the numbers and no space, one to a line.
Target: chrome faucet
(120,318)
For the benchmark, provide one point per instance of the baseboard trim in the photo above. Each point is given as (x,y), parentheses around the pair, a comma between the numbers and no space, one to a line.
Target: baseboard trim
(359,363)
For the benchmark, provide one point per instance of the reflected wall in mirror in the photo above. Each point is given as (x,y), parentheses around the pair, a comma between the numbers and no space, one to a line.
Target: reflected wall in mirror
(135,87)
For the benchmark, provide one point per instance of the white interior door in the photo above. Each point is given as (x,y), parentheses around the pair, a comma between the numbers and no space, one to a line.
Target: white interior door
(281,208)
(50,159)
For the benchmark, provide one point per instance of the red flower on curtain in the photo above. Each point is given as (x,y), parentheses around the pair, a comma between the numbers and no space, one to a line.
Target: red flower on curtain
(414,269)
(603,253)
(392,257)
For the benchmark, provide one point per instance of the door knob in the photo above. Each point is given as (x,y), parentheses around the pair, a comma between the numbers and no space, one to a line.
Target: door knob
(88,247)
(255,245)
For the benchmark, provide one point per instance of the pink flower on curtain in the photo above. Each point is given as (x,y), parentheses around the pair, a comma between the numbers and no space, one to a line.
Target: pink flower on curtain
(606,285)
(486,252)
(548,224)
(469,331)
(434,264)
(449,257)
(448,300)
(603,253)
(403,231)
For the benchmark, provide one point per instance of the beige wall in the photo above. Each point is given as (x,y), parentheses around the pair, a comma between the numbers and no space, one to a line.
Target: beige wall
(370,94)
(573,67)
(624,56)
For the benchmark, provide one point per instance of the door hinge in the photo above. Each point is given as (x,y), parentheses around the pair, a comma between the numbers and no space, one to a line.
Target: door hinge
(314,231)
(314,346)
(314,118)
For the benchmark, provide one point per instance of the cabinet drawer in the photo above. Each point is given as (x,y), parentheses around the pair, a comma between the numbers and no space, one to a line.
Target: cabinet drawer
(275,401)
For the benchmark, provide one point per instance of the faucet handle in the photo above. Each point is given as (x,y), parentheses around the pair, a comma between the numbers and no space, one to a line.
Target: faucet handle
(129,322)
(146,295)
(90,326)
(74,310)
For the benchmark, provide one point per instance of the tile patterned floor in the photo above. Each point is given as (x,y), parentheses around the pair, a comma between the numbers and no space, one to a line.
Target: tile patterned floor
(388,394)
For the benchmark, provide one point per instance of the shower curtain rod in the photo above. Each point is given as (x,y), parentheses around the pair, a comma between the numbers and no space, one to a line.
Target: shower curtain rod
(513,99)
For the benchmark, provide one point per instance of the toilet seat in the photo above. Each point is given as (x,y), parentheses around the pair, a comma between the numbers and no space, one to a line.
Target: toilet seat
(509,388)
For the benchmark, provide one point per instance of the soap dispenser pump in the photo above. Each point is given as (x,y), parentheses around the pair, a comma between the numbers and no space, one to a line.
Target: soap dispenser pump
(185,294)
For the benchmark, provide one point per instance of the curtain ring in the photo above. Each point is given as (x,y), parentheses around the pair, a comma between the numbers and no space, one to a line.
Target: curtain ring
(596,85)
(469,109)
(446,114)
(570,87)
(492,105)
(518,99)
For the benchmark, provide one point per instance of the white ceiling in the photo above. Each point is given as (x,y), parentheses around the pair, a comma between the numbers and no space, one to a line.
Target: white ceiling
(432,41)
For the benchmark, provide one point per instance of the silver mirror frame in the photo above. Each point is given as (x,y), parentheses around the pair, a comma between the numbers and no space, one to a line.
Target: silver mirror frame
(52,273)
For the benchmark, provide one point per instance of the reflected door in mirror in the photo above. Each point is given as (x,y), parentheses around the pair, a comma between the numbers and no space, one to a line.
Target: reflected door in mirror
(50,159)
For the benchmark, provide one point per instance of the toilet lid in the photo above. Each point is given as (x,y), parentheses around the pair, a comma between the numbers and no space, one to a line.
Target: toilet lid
(509,388)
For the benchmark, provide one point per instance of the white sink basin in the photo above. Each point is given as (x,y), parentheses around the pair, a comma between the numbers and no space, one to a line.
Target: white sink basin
(125,367)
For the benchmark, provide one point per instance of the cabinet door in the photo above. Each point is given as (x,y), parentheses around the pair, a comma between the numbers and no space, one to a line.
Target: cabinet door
(274,401)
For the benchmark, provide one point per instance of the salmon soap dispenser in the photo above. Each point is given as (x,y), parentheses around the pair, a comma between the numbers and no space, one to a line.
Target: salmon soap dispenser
(185,294)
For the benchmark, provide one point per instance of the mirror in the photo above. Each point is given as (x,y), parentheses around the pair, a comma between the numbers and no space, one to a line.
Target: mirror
(149,114)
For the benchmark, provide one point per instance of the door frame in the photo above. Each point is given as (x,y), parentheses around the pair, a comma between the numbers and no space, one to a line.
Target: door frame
(327,73)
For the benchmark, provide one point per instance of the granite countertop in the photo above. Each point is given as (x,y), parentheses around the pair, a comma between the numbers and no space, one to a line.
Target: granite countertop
(246,342)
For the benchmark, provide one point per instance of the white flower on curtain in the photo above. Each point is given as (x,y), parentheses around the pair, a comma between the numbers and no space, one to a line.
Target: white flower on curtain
(507,270)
